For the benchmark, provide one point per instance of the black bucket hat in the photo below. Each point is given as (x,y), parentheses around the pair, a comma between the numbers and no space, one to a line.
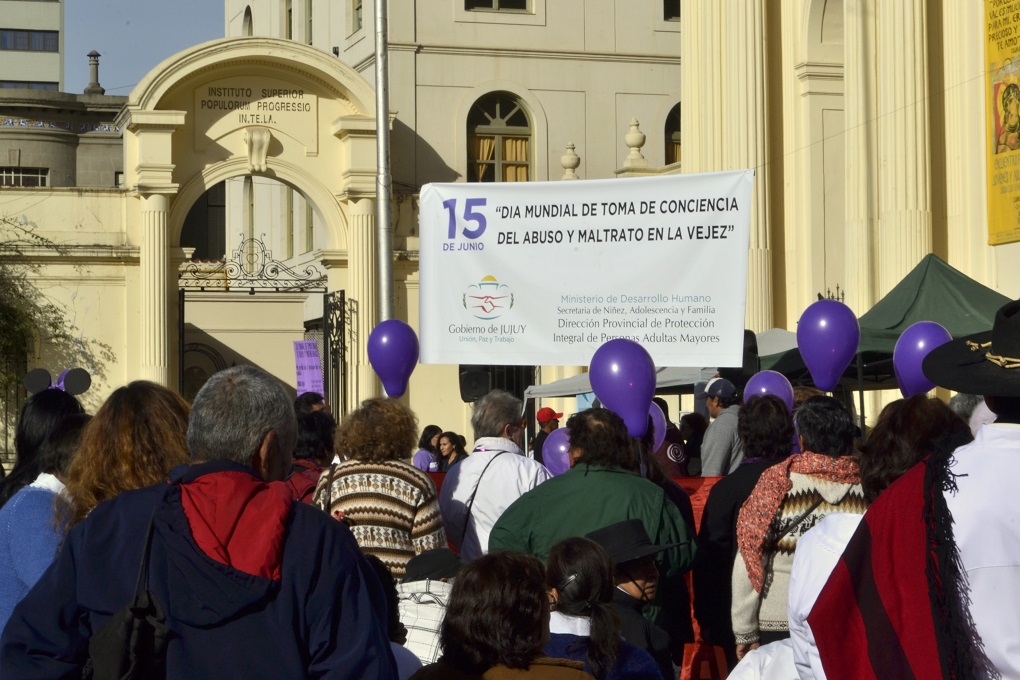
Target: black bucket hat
(626,541)
(983,363)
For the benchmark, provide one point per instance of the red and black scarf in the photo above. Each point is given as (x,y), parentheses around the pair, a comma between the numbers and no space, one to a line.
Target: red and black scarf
(895,606)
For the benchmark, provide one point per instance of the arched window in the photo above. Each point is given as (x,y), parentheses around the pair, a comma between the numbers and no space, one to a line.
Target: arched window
(499,139)
(672,136)
(246,27)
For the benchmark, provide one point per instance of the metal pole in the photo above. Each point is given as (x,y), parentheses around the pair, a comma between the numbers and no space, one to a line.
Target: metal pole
(383,179)
(860,392)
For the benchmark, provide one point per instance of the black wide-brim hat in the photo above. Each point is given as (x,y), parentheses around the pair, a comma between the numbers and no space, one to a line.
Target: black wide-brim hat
(986,363)
(626,541)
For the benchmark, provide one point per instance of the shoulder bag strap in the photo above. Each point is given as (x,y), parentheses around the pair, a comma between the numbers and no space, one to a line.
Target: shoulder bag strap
(471,499)
(142,580)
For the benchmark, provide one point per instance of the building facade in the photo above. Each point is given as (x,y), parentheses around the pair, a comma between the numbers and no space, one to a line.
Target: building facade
(863,119)
(32,44)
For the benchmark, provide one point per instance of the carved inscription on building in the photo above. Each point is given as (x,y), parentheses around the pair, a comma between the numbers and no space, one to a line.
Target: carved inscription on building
(227,105)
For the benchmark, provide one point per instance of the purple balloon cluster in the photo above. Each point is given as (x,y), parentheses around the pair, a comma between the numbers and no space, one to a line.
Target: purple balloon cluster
(393,353)
(828,336)
(556,451)
(622,376)
(770,382)
(912,347)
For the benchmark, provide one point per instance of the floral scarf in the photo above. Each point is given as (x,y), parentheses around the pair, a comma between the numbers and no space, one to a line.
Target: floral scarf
(760,508)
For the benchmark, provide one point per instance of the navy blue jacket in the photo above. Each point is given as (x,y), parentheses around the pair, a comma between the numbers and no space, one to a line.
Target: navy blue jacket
(318,613)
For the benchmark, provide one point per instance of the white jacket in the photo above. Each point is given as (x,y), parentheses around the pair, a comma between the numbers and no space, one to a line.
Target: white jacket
(509,476)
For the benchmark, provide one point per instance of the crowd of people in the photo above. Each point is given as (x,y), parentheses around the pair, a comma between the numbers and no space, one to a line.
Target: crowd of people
(251,535)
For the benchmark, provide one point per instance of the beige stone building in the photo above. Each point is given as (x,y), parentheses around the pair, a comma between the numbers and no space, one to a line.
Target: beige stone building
(864,120)
(261,148)
(32,44)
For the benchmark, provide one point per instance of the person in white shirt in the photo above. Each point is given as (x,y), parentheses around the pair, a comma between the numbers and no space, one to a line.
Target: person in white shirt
(476,492)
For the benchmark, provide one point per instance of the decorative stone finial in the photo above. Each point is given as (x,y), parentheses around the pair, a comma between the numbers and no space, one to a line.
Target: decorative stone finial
(635,139)
(94,87)
(570,161)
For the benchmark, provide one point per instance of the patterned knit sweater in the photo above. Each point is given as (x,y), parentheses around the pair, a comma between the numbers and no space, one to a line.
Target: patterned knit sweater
(751,611)
(390,506)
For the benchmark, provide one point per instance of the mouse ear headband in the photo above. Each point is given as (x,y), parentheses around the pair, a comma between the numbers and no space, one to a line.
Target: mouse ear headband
(74,381)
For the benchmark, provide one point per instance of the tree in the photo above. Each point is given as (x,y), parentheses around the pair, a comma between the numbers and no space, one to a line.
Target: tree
(25,312)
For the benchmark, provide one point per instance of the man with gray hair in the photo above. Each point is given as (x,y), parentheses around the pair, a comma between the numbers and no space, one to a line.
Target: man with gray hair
(477,491)
(247,582)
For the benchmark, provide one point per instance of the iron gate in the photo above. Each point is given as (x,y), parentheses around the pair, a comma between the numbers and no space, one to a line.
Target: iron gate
(250,269)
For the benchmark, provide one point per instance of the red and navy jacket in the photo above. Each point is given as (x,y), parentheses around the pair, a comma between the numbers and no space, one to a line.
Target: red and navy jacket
(253,584)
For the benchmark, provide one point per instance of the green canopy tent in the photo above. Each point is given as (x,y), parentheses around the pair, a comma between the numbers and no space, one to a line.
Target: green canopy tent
(932,291)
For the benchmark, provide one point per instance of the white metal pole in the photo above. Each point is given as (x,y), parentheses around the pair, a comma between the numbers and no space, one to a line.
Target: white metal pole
(383,178)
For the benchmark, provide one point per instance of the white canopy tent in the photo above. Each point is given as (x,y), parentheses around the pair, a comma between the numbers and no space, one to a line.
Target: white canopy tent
(580,384)
(772,341)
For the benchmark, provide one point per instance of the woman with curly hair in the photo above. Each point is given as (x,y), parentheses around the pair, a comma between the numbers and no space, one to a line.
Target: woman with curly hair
(390,505)
(135,439)
(496,624)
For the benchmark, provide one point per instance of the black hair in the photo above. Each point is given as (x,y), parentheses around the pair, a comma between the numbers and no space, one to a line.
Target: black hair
(726,402)
(39,416)
(458,442)
(315,433)
(425,441)
(59,448)
(765,427)
(582,573)
(661,403)
(602,436)
(306,402)
(395,630)
(826,426)
(498,614)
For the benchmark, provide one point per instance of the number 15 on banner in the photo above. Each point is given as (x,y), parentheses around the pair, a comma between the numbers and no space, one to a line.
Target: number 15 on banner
(470,215)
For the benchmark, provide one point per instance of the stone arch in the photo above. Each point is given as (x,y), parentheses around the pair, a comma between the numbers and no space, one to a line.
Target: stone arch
(249,106)
(223,52)
(292,176)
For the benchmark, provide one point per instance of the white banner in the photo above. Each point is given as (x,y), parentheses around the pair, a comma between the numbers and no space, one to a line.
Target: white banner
(543,273)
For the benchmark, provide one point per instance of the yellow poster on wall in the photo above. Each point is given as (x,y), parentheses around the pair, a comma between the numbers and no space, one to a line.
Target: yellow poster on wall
(1002,81)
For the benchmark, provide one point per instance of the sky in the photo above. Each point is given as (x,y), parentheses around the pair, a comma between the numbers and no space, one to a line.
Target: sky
(132,36)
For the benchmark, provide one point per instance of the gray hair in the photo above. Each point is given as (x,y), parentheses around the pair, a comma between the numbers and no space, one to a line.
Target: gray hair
(235,410)
(963,405)
(494,411)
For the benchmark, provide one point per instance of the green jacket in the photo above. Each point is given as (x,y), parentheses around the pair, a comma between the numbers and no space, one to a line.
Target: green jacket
(586,498)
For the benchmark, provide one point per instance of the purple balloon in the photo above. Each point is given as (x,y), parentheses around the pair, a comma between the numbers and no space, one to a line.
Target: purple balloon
(828,336)
(913,346)
(556,451)
(622,376)
(659,423)
(393,353)
(770,382)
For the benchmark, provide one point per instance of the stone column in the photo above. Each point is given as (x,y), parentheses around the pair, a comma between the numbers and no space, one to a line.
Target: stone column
(861,173)
(154,255)
(747,145)
(966,201)
(362,291)
(725,114)
(904,166)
